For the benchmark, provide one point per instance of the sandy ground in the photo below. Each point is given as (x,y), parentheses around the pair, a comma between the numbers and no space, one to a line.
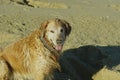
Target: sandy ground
(92,51)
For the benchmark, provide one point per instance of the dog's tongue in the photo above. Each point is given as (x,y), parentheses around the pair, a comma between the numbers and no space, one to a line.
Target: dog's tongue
(58,48)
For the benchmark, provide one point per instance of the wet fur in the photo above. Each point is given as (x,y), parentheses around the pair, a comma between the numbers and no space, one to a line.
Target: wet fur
(28,58)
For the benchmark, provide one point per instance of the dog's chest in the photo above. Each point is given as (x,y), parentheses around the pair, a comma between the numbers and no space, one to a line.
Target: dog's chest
(44,64)
(38,66)
(44,67)
(39,63)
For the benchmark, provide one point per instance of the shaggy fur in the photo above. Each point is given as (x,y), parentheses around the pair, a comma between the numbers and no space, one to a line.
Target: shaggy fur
(30,58)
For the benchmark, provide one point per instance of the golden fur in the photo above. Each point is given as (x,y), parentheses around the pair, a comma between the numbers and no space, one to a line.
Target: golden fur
(29,59)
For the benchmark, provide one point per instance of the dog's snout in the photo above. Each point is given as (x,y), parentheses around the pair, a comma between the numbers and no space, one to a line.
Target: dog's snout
(59,41)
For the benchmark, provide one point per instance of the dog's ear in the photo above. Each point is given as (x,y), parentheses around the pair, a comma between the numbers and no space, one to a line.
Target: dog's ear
(43,27)
(67,27)
(65,24)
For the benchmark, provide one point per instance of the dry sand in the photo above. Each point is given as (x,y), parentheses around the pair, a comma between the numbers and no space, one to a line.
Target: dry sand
(92,51)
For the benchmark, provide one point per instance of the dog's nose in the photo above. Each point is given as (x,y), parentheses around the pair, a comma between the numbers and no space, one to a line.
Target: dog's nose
(59,41)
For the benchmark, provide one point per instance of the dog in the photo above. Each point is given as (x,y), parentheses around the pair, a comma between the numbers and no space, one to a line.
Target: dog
(36,56)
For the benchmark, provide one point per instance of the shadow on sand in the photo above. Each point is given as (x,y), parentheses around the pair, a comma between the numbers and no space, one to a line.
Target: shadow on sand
(83,62)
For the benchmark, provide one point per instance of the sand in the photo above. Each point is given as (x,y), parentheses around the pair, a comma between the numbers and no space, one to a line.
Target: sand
(92,51)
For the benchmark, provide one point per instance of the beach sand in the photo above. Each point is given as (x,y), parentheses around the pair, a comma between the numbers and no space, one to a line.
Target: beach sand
(91,52)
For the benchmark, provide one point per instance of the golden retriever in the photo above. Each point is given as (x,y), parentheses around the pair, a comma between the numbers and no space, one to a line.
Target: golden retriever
(36,56)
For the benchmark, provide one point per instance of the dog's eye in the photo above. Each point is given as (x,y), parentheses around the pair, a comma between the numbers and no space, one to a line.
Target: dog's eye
(52,31)
(61,30)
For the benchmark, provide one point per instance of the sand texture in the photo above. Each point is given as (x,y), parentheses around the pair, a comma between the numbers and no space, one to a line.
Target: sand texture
(91,52)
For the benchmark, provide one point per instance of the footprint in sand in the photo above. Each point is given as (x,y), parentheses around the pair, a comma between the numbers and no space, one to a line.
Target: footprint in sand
(115,6)
(41,4)
(47,4)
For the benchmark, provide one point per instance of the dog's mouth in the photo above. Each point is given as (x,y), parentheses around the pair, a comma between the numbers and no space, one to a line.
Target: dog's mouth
(58,48)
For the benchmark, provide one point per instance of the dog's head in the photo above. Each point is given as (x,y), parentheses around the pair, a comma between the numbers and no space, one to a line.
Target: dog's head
(56,31)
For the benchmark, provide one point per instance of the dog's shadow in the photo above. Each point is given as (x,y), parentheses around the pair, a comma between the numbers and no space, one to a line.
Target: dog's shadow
(83,62)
